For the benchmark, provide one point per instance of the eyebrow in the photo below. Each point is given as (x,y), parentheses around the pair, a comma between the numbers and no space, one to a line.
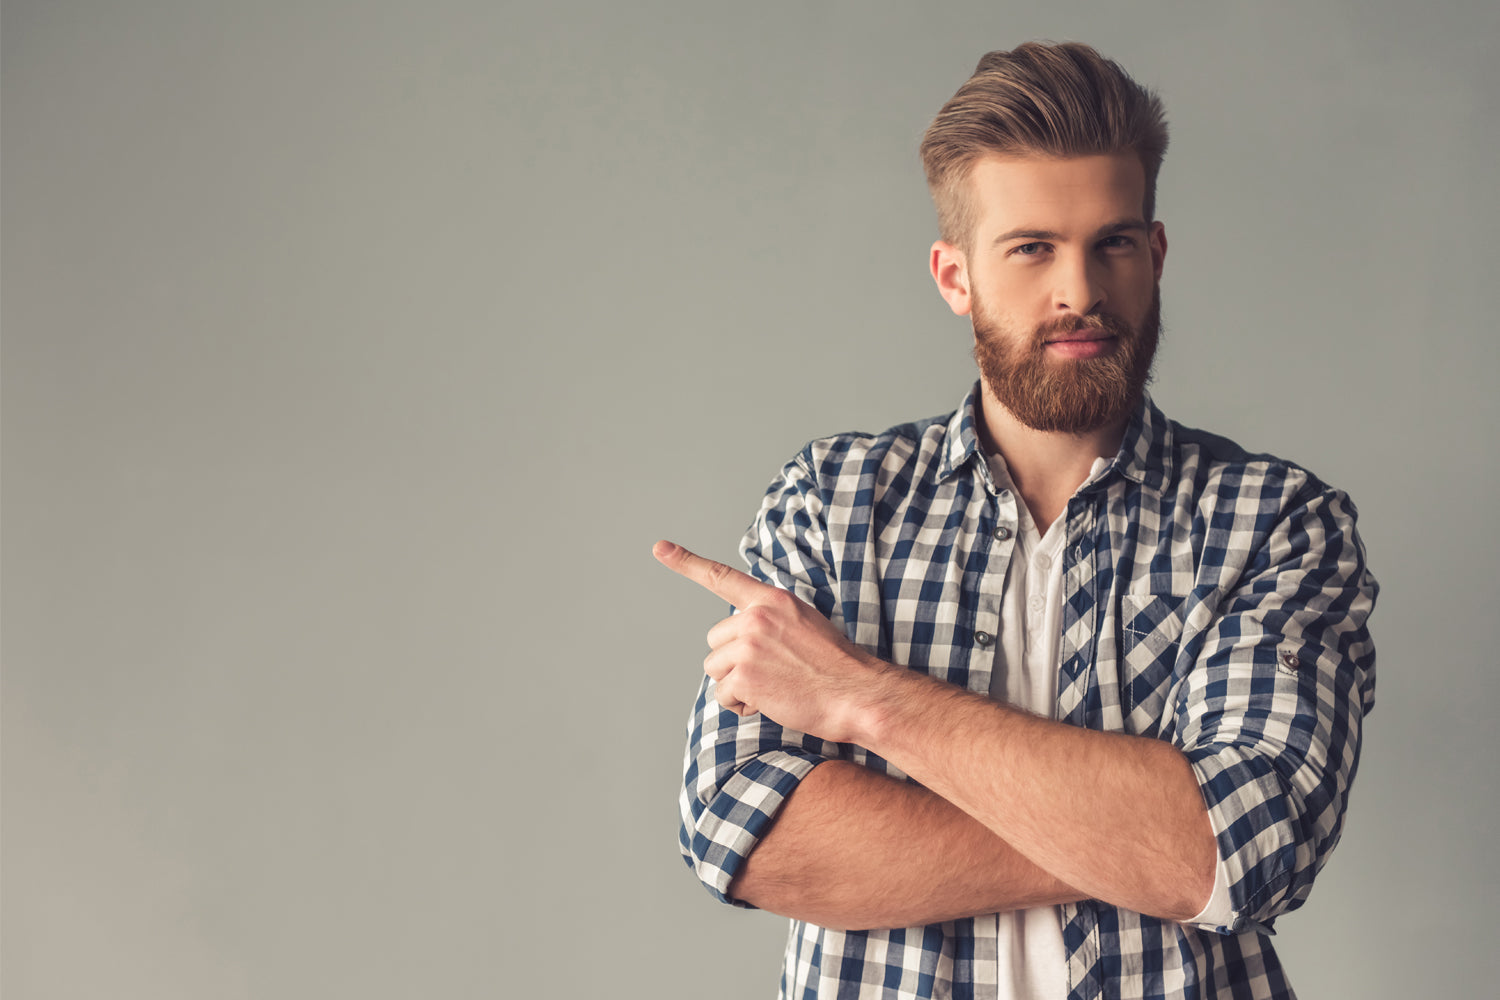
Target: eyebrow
(1123,226)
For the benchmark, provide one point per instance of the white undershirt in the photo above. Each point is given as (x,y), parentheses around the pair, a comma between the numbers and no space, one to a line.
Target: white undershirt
(1032,963)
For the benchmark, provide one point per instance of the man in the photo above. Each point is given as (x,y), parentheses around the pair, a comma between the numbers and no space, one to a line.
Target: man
(1050,697)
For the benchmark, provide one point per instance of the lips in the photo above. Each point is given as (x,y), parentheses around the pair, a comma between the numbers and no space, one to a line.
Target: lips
(1081,334)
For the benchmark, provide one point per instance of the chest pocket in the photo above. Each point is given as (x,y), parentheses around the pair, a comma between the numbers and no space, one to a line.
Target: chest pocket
(1150,630)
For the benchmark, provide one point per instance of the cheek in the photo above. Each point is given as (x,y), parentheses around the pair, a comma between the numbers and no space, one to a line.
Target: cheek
(1132,291)
(1020,284)
(1015,298)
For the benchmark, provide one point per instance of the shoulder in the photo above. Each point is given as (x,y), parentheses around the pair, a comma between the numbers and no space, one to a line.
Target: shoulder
(858,472)
(911,456)
(1211,464)
(838,455)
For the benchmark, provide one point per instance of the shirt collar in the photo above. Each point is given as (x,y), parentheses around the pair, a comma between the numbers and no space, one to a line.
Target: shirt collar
(962,440)
(1145,454)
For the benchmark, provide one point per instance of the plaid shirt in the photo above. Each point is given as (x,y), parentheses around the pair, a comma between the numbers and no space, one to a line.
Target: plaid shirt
(1213,599)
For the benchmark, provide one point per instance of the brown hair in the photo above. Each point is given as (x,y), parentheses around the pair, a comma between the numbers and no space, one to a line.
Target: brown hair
(1055,100)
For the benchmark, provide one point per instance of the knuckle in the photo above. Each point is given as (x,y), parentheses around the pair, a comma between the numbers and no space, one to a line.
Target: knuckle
(725,696)
(756,616)
(783,599)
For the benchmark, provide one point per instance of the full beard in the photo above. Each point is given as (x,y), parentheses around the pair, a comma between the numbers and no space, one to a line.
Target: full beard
(1068,395)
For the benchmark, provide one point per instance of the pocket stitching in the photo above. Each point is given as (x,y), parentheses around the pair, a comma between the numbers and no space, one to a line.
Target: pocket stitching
(1170,624)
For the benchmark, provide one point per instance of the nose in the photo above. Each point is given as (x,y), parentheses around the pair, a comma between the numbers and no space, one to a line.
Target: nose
(1078,285)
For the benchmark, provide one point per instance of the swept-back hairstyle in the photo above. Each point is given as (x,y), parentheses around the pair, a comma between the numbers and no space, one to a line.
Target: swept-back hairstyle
(1060,100)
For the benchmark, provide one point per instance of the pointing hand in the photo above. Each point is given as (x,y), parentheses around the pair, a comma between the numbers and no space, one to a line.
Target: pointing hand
(779,655)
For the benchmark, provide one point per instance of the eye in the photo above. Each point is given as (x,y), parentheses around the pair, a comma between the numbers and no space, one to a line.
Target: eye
(1117,242)
(1030,249)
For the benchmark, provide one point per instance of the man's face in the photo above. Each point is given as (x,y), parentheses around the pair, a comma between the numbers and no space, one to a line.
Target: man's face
(1062,280)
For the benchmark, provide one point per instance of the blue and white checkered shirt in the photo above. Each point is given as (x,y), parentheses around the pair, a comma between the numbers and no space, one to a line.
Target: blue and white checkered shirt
(1213,599)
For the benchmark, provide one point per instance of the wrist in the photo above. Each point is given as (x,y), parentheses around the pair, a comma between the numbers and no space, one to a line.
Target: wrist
(878,702)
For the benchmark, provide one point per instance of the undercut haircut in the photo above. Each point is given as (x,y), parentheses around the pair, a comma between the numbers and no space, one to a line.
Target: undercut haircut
(1040,99)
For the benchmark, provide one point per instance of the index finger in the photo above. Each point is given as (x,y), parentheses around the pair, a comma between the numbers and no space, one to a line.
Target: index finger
(739,589)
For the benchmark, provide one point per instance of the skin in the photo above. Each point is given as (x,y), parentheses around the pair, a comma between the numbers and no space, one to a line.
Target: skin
(1053,238)
(900,856)
(1017,810)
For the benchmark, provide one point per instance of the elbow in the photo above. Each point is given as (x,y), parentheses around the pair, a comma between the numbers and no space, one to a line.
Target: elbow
(1193,892)
(723,820)
(1279,827)
(1200,868)
(710,863)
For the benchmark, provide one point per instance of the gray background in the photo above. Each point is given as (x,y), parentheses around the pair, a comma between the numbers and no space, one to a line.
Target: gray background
(356,353)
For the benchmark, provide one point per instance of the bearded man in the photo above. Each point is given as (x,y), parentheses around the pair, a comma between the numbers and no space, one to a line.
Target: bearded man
(1050,697)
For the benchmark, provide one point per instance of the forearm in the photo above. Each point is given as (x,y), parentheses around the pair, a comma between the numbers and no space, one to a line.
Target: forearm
(1120,817)
(854,849)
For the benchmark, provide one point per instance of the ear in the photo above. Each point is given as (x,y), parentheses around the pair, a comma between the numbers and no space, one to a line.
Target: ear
(1158,242)
(950,269)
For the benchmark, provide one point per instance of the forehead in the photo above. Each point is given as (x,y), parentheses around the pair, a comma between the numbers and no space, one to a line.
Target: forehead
(1059,195)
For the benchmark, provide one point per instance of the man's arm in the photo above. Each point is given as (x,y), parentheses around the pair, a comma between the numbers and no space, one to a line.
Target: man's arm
(1119,816)
(1272,714)
(773,818)
(854,849)
(1265,732)
(1136,829)
(795,824)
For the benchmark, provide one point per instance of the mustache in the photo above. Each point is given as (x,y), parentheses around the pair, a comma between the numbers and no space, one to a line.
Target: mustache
(1104,322)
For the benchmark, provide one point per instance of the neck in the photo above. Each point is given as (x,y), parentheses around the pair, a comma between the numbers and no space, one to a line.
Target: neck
(1046,466)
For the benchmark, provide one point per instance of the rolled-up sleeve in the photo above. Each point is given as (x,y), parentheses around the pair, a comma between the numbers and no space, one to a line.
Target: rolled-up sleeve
(738,771)
(1270,717)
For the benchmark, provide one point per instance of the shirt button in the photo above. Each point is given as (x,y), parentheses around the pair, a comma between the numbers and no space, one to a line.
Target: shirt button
(1002,532)
(1042,562)
(983,638)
